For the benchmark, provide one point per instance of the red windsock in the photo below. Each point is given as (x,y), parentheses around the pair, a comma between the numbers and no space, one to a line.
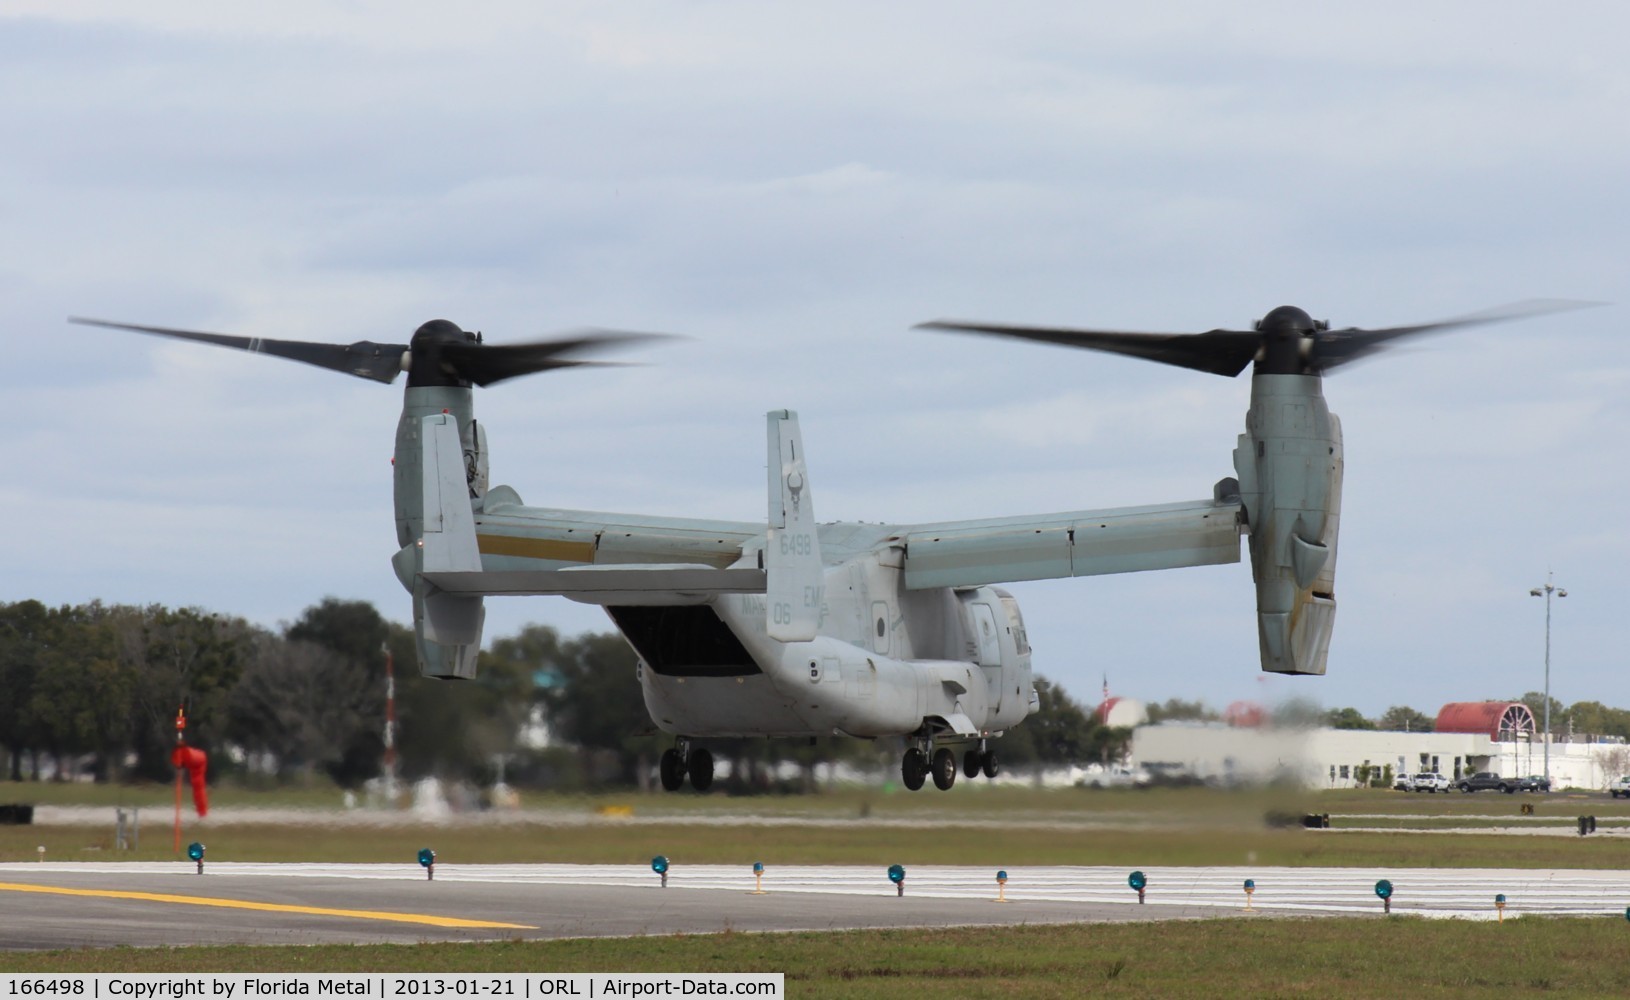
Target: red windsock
(196,762)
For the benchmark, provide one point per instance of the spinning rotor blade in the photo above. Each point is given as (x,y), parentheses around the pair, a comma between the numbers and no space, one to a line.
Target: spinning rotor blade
(364,359)
(486,364)
(440,353)
(1339,347)
(1220,352)
(1285,342)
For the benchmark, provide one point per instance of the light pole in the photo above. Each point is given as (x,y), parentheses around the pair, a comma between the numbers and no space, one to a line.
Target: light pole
(1546,592)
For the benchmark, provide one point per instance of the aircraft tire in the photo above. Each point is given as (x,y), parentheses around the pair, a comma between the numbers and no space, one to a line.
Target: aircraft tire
(990,765)
(672,770)
(701,769)
(970,764)
(913,769)
(944,769)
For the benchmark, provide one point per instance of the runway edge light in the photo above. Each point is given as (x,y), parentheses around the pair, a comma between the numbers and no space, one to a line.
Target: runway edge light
(1383,889)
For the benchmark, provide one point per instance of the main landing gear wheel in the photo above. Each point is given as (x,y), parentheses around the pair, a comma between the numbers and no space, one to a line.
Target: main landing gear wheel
(970,764)
(701,769)
(944,769)
(990,765)
(672,770)
(913,769)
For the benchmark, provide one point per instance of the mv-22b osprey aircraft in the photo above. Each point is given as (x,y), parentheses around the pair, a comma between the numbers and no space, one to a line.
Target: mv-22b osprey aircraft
(792,628)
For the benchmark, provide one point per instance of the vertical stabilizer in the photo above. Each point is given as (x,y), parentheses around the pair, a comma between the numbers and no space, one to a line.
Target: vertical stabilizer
(795,580)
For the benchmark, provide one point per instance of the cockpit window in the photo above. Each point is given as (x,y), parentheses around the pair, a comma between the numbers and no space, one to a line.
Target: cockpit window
(1015,623)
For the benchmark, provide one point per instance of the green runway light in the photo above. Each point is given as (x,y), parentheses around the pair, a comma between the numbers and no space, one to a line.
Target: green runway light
(1383,889)
(659,864)
(427,857)
(195,851)
(897,875)
(1137,880)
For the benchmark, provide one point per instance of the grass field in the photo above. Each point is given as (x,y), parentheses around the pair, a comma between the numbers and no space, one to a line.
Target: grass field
(1237,957)
(1002,826)
(853,826)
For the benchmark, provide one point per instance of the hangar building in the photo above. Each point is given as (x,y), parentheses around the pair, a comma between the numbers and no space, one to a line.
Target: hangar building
(1498,736)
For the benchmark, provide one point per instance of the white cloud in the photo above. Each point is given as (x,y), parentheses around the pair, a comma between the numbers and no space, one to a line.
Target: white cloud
(795,189)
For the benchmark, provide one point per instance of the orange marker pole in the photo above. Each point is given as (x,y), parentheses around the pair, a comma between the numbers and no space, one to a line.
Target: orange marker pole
(180,730)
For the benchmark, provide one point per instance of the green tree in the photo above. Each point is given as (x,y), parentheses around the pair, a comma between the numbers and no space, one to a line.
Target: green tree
(1298,713)
(350,695)
(1347,718)
(1060,731)
(600,707)
(1597,719)
(82,696)
(303,704)
(1535,700)
(184,658)
(1402,718)
(1176,709)
(24,628)
(456,728)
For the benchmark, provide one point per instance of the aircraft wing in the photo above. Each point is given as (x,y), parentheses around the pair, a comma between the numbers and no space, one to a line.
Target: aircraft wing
(512,536)
(1072,543)
(508,549)
(623,584)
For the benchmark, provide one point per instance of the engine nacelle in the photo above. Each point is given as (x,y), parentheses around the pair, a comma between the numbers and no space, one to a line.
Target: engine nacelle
(440,454)
(1289,462)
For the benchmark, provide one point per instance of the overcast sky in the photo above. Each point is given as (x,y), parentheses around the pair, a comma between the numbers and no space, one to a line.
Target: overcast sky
(792,188)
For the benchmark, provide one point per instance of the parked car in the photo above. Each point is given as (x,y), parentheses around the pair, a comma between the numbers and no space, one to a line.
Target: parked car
(1403,783)
(1433,783)
(1620,787)
(1534,783)
(1486,780)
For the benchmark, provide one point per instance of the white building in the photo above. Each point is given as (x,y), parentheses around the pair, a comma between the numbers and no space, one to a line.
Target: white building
(1503,741)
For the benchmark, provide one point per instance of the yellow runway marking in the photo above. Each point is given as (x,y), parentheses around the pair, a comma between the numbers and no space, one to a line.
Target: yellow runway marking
(247,904)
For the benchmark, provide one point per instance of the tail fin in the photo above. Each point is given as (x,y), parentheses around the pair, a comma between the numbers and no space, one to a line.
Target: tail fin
(795,579)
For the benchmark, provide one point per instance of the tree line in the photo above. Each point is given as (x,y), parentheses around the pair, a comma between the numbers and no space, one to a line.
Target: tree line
(94,690)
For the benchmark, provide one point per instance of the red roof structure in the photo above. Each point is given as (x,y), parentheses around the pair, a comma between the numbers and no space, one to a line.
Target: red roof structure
(1501,720)
(1244,715)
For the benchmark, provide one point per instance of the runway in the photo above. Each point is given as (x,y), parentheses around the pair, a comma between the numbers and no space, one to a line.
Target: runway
(74,905)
